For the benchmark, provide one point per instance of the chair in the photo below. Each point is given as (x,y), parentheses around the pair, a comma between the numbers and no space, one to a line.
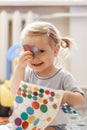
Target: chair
(13,52)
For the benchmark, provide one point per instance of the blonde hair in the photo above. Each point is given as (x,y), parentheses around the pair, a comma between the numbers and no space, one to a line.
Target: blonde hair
(40,28)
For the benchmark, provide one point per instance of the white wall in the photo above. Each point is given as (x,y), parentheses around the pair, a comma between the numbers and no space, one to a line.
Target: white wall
(78,30)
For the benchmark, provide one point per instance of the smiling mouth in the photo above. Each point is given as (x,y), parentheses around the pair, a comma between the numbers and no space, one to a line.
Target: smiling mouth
(36,65)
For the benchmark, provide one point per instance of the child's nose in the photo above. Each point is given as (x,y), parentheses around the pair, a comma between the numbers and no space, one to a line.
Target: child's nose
(36,55)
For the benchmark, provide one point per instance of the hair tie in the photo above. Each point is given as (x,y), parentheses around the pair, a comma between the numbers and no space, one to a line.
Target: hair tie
(48,32)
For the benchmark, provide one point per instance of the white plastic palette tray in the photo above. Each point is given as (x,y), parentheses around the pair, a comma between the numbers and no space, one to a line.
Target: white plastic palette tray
(35,107)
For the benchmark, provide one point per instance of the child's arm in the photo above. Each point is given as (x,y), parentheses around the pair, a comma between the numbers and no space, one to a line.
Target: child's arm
(19,72)
(73,98)
(16,78)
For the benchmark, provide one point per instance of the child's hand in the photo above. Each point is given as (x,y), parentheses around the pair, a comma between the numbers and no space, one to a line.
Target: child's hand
(24,59)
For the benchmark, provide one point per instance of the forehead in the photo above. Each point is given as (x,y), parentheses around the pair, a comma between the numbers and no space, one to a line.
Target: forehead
(41,40)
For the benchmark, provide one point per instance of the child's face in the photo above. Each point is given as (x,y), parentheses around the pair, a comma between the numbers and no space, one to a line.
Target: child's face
(42,52)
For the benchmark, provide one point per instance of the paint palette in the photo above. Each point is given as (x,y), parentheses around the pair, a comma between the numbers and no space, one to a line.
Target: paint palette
(35,107)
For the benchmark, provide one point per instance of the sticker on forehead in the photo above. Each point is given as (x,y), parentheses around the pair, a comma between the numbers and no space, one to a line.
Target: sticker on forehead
(36,107)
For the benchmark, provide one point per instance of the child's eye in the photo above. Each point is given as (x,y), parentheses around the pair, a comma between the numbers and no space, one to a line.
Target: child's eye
(41,51)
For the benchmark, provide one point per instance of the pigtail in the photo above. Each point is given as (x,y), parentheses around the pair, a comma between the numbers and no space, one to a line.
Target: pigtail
(66,46)
(66,42)
(65,51)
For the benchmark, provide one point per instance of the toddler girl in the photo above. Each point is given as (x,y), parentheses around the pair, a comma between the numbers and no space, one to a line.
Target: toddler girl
(41,43)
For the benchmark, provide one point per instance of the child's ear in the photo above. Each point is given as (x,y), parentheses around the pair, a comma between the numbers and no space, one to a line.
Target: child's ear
(57,48)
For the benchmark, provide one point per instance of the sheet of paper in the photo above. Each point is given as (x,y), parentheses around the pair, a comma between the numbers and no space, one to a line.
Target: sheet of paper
(35,106)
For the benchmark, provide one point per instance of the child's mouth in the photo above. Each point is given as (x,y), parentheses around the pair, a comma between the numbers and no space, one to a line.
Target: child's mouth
(36,65)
